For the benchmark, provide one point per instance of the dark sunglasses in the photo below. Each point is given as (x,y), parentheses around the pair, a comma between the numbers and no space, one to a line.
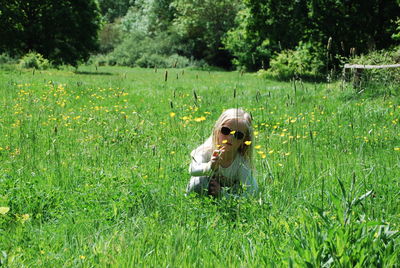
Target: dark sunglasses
(227,131)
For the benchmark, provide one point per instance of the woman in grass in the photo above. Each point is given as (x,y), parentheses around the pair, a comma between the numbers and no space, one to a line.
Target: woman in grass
(223,164)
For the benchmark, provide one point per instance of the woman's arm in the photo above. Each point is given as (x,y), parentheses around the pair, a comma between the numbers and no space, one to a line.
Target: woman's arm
(201,164)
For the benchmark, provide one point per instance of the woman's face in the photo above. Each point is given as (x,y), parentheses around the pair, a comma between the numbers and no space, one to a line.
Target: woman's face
(229,141)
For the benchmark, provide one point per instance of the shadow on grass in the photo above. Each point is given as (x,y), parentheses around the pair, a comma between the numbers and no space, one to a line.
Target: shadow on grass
(92,73)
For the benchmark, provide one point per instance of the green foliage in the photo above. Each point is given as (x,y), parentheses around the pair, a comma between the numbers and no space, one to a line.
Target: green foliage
(271,25)
(377,81)
(113,9)
(202,26)
(64,32)
(110,36)
(5,58)
(34,60)
(304,62)
(265,27)
(149,17)
(162,61)
(101,60)
(141,50)
(396,35)
(243,45)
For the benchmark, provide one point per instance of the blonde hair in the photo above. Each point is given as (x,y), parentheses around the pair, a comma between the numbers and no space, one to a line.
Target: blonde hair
(246,151)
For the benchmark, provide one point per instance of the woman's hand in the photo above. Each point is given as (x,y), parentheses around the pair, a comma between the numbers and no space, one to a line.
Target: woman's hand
(214,188)
(216,158)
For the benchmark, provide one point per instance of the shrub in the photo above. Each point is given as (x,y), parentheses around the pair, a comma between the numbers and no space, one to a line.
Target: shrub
(151,61)
(136,49)
(34,60)
(379,78)
(306,62)
(101,60)
(110,36)
(7,59)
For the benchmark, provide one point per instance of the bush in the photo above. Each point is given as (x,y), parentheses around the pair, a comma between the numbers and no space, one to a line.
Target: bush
(139,50)
(34,60)
(7,59)
(151,61)
(136,49)
(110,36)
(306,62)
(101,60)
(379,78)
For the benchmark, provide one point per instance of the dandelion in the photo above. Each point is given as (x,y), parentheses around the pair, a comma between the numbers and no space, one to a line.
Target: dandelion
(257,146)
(247,143)
(224,141)
(397,148)
(186,118)
(24,217)
(173,152)
(233,132)
(200,119)
(172,114)
(82,257)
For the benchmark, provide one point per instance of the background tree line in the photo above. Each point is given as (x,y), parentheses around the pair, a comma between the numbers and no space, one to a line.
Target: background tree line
(311,35)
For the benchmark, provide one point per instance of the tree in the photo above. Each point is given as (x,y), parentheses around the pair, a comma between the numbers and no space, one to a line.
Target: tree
(264,27)
(150,17)
(273,25)
(113,9)
(62,31)
(364,25)
(202,24)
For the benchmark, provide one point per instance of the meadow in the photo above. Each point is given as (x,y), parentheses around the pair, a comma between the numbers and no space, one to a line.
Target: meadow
(94,166)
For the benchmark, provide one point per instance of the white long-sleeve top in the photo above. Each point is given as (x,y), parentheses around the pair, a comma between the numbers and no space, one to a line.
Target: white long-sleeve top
(237,175)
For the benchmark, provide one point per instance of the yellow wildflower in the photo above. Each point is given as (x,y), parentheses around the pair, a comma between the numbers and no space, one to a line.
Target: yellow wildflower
(247,142)
(4,210)
(199,119)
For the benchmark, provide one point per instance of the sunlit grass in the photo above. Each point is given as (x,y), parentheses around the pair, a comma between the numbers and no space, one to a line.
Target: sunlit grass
(94,166)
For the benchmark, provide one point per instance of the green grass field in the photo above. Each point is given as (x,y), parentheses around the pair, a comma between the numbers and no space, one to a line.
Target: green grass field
(94,166)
